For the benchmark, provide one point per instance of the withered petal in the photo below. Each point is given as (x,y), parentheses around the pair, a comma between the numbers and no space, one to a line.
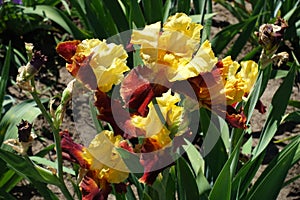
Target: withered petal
(236,119)
(260,107)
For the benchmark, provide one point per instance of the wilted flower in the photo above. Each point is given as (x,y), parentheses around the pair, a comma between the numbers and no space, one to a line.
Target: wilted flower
(27,72)
(24,140)
(269,37)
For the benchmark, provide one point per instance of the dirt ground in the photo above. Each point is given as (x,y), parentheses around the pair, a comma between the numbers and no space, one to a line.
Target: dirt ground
(290,192)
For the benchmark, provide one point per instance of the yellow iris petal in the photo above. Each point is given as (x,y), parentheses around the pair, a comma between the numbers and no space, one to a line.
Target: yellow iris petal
(107,60)
(238,79)
(172,49)
(249,73)
(203,61)
(105,157)
(148,39)
(154,125)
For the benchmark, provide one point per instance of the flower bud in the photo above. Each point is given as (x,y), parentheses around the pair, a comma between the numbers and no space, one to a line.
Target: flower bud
(66,97)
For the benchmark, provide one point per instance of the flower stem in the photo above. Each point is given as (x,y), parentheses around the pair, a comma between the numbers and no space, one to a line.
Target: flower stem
(56,139)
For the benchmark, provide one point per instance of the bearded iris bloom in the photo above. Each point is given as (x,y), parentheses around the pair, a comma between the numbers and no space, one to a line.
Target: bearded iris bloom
(173,49)
(93,60)
(97,177)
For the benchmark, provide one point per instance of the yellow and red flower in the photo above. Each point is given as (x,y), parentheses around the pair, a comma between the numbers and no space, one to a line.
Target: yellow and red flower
(100,163)
(93,60)
(174,49)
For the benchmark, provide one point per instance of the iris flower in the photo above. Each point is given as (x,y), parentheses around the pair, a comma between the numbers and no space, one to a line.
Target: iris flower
(93,60)
(99,163)
(173,49)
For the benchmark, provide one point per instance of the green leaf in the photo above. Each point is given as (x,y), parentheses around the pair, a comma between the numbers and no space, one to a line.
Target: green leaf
(4,77)
(117,14)
(244,176)
(45,150)
(247,30)
(171,185)
(153,11)
(139,186)
(130,194)
(277,74)
(247,147)
(136,14)
(273,176)
(292,117)
(187,186)
(183,6)
(222,186)
(253,98)
(294,103)
(222,38)
(214,154)
(24,167)
(194,156)
(48,163)
(166,10)
(9,180)
(131,160)
(58,17)
(276,111)
(5,195)
(94,12)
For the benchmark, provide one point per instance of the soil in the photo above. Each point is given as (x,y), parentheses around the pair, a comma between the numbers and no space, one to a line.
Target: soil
(290,192)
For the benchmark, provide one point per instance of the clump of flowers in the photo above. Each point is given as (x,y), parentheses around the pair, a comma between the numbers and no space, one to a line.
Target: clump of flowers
(152,116)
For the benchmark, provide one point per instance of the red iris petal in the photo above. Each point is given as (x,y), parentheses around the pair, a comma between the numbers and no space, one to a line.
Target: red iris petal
(72,151)
(91,191)
(67,49)
(139,87)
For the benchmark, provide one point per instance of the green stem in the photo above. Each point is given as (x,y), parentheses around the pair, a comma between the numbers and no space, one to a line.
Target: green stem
(56,139)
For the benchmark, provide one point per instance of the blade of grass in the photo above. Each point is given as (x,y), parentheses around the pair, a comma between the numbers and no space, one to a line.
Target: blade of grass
(276,111)
(117,14)
(273,176)
(4,77)
(187,186)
